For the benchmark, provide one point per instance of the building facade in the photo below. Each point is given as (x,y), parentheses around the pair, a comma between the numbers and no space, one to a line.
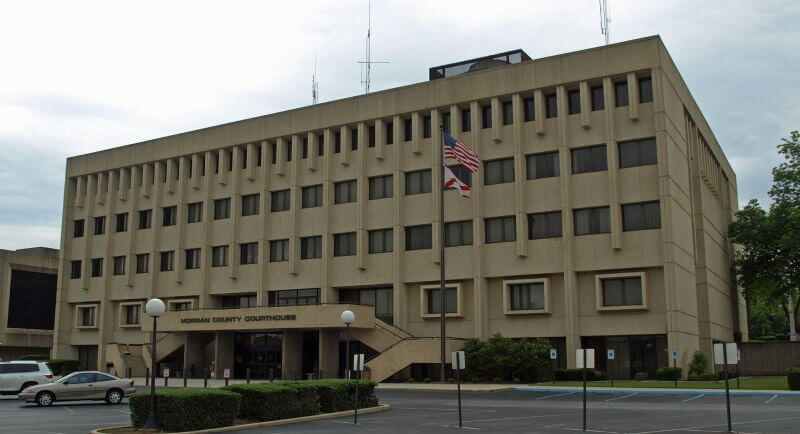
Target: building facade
(27,301)
(598,219)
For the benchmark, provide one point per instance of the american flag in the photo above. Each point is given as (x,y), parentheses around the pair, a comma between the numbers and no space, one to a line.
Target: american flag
(455,149)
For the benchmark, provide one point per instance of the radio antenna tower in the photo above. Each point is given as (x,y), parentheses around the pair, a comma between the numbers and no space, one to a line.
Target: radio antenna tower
(314,83)
(365,80)
(605,20)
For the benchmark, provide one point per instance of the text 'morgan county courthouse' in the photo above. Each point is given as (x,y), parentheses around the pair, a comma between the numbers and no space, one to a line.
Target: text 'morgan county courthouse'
(598,219)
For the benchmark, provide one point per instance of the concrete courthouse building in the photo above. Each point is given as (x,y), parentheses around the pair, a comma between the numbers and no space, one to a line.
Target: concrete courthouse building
(598,218)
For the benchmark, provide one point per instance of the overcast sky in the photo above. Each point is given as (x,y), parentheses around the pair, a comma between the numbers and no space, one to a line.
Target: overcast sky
(77,77)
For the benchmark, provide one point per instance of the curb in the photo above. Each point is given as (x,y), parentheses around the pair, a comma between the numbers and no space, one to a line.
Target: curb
(379,408)
(610,391)
(463,390)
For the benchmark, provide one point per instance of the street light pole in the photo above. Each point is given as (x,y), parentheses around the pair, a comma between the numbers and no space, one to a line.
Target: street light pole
(155,308)
(347,318)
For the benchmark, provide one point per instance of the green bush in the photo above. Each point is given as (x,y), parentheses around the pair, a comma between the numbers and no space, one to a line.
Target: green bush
(271,401)
(703,377)
(577,375)
(187,409)
(669,373)
(410,380)
(793,377)
(721,375)
(426,380)
(338,395)
(507,358)
(63,366)
(476,379)
(699,364)
(640,376)
(37,357)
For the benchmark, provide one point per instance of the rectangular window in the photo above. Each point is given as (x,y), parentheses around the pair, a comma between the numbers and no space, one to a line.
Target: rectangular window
(598,98)
(574,101)
(458,233)
(498,171)
(466,120)
(169,215)
(321,144)
(418,182)
(645,89)
(293,297)
(97,267)
(550,105)
(434,304)
(527,296)
(239,301)
(311,247)
(508,113)
(389,133)
(222,208)
(274,149)
(248,253)
(381,241)
(312,196)
(250,204)
(145,219)
(461,173)
(446,122)
(242,158)
(529,109)
(418,237)
(544,225)
(407,129)
(621,93)
(75,269)
(181,306)
(99,225)
(381,187)
(337,142)
(142,263)
(119,265)
(371,136)
(354,139)
(622,292)
(486,116)
(543,165)
(168,261)
(192,259)
(305,148)
(258,159)
(77,228)
(289,150)
(130,314)
(345,191)
(219,256)
(86,316)
(278,250)
(592,221)
(589,159)
(500,229)
(641,216)
(194,212)
(426,127)
(344,244)
(121,222)
(641,152)
(280,201)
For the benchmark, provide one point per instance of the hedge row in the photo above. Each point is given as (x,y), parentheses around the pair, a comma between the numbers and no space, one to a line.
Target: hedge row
(187,409)
(63,366)
(793,377)
(36,357)
(669,373)
(577,375)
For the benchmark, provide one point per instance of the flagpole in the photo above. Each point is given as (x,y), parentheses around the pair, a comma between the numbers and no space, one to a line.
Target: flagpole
(442,310)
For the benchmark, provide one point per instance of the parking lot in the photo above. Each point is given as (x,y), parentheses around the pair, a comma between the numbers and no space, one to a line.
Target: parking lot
(505,411)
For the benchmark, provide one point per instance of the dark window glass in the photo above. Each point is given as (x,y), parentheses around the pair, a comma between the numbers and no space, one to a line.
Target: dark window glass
(500,229)
(321,144)
(258,159)
(75,270)
(426,127)
(407,129)
(77,228)
(219,256)
(458,233)
(337,142)
(381,187)
(589,159)
(311,247)
(293,297)
(243,157)
(389,133)
(280,201)
(86,315)
(194,212)
(99,225)
(446,122)
(544,225)
(142,263)
(486,116)
(354,139)
(248,253)
(622,292)
(435,300)
(461,173)
(621,93)
(638,153)
(169,216)
(229,159)
(508,113)
(543,165)
(250,204)
(550,105)
(592,221)
(274,149)
(380,298)
(239,301)
(371,138)
(97,267)
(498,171)
(145,219)
(289,150)
(418,182)
(312,196)
(645,89)
(598,98)
(121,222)
(574,101)
(418,237)
(222,208)
(345,192)
(181,306)
(192,259)
(278,251)
(344,244)
(640,216)
(466,121)
(119,266)
(167,261)
(381,241)
(305,148)
(529,109)
(528,296)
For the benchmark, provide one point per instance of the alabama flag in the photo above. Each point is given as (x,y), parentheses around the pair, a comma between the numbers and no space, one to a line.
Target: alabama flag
(450,181)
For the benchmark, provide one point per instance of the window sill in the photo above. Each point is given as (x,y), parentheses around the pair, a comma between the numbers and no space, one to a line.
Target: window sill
(621,308)
(130,326)
(86,327)
(437,316)
(527,312)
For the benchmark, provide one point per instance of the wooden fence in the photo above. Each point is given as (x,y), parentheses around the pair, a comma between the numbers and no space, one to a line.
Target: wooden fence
(768,358)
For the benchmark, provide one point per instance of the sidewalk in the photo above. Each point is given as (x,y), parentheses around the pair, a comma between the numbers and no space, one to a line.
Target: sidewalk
(656,391)
(213,383)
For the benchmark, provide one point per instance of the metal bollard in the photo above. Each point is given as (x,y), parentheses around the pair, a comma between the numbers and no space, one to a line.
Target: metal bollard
(248,375)
(226,381)
(184,376)
(166,382)
(205,378)
(271,375)
(147,376)
(130,372)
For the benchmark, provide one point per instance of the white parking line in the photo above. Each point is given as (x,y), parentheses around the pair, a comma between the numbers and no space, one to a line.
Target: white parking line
(557,394)
(689,428)
(522,417)
(771,399)
(692,398)
(622,397)
(68,409)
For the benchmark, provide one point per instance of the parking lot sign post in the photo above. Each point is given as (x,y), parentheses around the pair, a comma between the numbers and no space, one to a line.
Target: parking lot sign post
(226,374)
(165,373)
(585,359)
(728,353)
(610,354)
(553,357)
(675,366)
(358,367)
(459,363)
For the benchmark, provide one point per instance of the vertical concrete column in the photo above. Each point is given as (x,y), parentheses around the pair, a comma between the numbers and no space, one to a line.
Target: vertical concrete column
(172,173)
(416,133)
(399,292)
(455,120)
(539,114)
(294,207)
(208,216)
(313,143)
(380,138)
(194,354)
(292,355)
(327,294)
(147,179)
(223,352)
(133,223)
(280,156)
(586,105)
(124,176)
(611,155)
(519,178)
(159,170)
(102,185)
(479,281)
(329,353)
(80,191)
(496,119)
(362,193)
(436,188)
(344,145)
(252,157)
(263,222)
(236,210)
(633,97)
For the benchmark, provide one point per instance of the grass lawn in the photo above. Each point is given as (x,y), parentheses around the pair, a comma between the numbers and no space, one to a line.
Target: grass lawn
(751,383)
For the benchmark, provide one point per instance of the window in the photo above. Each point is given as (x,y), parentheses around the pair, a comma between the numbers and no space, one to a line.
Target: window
(461,173)
(381,241)
(250,204)
(645,89)
(192,259)
(274,151)
(621,93)
(466,120)
(102,377)
(354,139)
(167,261)
(500,229)
(380,298)
(389,133)
(638,153)
(312,196)
(625,291)
(239,301)
(248,253)
(305,148)
(433,298)
(97,267)
(337,142)
(544,225)
(130,314)
(407,129)
(219,256)
(641,216)
(77,228)
(86,316)
(446,122)
(243,158)
(145,219)
(294,297)
(508,113)
(99,225)
(418,182)
(380,187)
(75,269)
(321,145)
(486,116)
(344,244)
(592,221)
(526,296)
(194,212)
(598,98)
(289,150)
(311,247)
(458,233)
(281,201)
(498,171)
(543,165)
(119,265)
(589,159)
(181,306)
(278,250)
(426,127)
(142,263)
(529,110)
(169,215)
(222,208)
(574,100)
(121,222)
(550,105)
(345,191)
(371,136)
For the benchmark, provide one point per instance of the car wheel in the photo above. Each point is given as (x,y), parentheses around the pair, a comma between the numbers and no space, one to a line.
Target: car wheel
(114,396)
(27,385)
(45,399)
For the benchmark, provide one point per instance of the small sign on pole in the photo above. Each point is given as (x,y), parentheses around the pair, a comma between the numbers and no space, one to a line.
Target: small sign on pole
(589,358)
(731,355)
(553,354)
(166,372)
(358,366)
(358,362)
(674,354)
(226,373)
(610,354)
(459,362)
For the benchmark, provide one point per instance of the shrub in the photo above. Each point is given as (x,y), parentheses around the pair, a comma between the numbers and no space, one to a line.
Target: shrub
(793,377)
(498,380)
(699,364)
(703,377)
(426,380)
(507,358)
(721,375)
(669,373)
(451,380)
(410,380)
(63,366)
(640,376)
(271,401)
(36,357)
(577,375)
(476,379)
(187,409)
(339,395)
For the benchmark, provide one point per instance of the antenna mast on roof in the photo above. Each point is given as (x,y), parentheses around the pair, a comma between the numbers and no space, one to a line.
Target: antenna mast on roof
(368,62)
(605,20)
(314,83)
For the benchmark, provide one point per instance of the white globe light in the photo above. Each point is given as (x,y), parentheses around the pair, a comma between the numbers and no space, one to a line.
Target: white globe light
(348,317)
(155,307)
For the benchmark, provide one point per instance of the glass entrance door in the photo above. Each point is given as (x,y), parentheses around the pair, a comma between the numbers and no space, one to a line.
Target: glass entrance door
(261,352)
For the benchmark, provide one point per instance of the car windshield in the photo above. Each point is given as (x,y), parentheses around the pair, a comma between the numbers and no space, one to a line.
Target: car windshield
(63,379)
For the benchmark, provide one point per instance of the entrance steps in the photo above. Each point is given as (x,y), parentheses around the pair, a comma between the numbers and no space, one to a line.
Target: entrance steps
(407,351)
(126,359)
